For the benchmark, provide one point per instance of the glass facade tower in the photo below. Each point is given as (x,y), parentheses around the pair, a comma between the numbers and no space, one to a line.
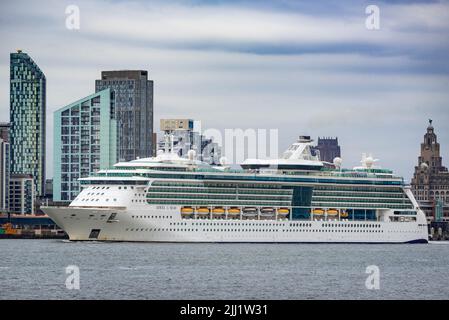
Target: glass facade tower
(27,116)
(85,141)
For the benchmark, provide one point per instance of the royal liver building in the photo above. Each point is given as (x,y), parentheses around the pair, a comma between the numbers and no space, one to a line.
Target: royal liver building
(430,182)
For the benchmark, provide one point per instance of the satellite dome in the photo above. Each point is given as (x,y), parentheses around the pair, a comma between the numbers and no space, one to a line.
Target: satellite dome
(223,161)
(337,162)
(159,152)
(424,165)
(369,162)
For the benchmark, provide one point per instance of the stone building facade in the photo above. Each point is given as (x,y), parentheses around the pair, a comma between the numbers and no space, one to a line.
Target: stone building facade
(328,148)
(430,183)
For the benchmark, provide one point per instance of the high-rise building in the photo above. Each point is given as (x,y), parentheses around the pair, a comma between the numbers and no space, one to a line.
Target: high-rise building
(27,116)
(328,149)
(4,131)
(85,141)
(49,189)
(185,137)
(154,144)
(21,195)
(430,183)
(4,175)
(134,111)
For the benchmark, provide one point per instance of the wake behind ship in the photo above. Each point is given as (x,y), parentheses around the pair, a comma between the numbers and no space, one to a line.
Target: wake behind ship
(296,198)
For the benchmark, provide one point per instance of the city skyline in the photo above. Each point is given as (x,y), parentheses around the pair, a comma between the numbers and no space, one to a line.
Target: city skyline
(227,157)
(375,90)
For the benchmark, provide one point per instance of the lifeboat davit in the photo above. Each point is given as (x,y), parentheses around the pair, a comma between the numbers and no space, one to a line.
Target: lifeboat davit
(267,211)
(249,210)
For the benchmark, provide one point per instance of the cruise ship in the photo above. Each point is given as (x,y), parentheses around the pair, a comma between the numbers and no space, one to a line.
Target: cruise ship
(294,199)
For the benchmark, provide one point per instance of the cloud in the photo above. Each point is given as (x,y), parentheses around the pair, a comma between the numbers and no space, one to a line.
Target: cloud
(304,68)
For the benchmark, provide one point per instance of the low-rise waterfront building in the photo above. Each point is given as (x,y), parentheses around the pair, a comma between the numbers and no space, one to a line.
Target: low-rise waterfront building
(4,175)
(185,138)
(4,131)
(21,194)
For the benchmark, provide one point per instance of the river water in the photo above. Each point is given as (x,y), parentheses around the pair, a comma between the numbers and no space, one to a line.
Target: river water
(36,269)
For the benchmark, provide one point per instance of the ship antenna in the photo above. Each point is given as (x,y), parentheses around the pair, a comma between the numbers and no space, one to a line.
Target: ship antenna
(172,138)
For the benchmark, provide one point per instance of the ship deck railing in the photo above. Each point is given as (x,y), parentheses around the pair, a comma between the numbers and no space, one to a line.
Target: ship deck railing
(87,207)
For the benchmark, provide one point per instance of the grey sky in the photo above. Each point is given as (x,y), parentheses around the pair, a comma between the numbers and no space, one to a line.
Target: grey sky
(301,67)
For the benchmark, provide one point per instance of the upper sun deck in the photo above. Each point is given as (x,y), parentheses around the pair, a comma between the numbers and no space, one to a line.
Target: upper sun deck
(324,172)
(144,171)
(298,161)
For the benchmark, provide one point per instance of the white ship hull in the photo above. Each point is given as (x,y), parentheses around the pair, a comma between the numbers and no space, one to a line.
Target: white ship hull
(172,199)
(149,224)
